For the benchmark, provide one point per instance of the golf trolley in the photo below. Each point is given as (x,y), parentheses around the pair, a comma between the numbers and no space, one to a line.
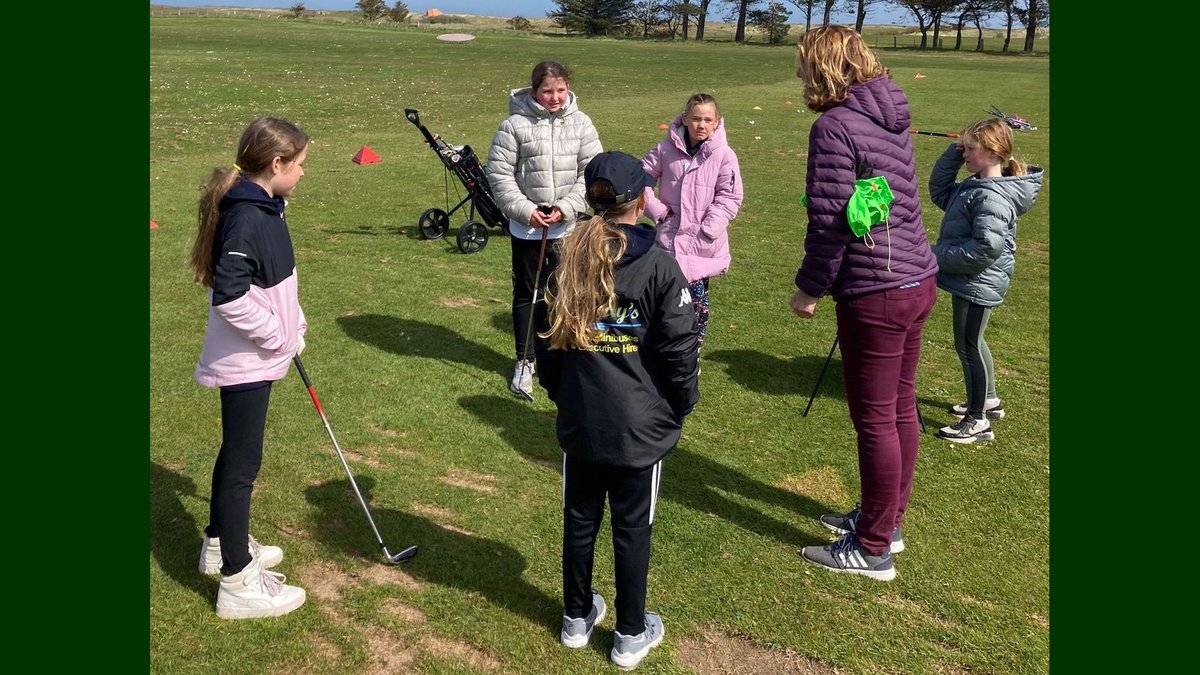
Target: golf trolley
(462,162)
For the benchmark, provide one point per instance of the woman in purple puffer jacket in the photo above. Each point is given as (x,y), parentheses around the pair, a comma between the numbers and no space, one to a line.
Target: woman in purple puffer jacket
(883,283)
(700,192)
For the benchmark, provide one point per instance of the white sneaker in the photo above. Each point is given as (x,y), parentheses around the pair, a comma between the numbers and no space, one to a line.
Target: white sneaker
(210,554)
(629,650)
(522,380)
(968,430)
(993,409)
(254,593)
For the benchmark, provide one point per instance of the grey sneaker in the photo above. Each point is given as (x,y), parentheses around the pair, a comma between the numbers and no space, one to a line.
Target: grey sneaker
(993,409)
(522,379)
(629,650)
(577,632)
(968,430)
(847,555)
(845,523)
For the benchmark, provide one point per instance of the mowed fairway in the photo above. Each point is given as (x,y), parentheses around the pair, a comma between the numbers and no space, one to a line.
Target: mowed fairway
(410,348)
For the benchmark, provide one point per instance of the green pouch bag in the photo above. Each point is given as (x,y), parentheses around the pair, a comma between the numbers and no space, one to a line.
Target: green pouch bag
(868,206)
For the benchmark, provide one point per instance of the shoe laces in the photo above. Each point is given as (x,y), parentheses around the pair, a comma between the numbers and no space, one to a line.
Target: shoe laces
(272,582)
(965,424)
(845,545)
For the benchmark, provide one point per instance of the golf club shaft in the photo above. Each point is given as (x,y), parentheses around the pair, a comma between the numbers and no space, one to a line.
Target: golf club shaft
(932,133)
(329,430)
(537,280)
(820,377)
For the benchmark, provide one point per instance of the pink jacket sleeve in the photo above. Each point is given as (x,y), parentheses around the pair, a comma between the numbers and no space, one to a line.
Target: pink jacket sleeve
(655,209)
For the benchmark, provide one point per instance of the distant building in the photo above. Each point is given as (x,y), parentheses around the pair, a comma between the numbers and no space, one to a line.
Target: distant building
(434,12)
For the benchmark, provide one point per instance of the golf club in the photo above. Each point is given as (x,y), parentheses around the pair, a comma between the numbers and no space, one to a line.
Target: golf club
(821,377)
(932,133)
(529,336)
(396,558)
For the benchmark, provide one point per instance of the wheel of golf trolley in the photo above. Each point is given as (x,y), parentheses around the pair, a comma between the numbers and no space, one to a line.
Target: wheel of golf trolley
(434,223)
(472,237)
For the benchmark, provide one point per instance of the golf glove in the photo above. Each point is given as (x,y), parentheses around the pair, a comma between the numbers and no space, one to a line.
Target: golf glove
(299,344)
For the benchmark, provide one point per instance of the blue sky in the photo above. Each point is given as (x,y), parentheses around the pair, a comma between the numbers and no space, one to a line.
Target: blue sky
(882,13)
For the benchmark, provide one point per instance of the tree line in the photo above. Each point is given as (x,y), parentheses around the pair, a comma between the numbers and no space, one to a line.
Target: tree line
(669,19)
(657,19)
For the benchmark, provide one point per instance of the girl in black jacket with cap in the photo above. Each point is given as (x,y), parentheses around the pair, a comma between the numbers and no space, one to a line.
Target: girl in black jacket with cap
(621,366)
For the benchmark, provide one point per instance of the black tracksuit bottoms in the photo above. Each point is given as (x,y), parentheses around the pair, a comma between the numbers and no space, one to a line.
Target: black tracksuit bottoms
(632,496)
(243,420)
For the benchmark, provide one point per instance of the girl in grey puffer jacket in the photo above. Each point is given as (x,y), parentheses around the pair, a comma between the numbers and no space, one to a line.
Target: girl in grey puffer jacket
(535,168)
(976,252)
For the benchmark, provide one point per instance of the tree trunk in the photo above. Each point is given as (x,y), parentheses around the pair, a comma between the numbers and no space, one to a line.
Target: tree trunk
(958,35)
(685,27)
(1031,22)
(700,20)
(828,10)
(979,29)
(937,29)
(1008,30)
(739,35)
(860,16)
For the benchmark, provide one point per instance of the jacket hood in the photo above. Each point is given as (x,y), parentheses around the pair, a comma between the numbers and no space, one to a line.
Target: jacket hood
(247,191)
(882,102)
(1020,191)
(523,102)
(716,140)
(639,239)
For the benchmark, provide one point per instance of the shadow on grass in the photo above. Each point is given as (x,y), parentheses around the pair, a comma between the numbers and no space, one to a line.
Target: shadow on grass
(765,374)
(416,338)
(456,560)
(690,479)
(174,533)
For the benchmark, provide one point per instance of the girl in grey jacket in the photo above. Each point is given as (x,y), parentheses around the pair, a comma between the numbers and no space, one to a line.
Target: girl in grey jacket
(976,252)
(535,168)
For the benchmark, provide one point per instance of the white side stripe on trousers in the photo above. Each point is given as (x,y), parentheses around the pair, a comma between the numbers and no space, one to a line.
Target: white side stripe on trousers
(655,479)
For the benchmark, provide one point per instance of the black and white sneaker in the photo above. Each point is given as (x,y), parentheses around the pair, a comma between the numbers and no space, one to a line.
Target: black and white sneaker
(993,409)
(847,555)
(967,430)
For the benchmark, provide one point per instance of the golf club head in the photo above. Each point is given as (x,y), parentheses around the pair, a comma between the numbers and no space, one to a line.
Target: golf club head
(403,556)
(524,396)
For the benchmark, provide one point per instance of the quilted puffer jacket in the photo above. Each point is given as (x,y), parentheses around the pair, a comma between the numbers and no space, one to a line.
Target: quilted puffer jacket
(864,136)
(537,158)
(977,245)
(697,198)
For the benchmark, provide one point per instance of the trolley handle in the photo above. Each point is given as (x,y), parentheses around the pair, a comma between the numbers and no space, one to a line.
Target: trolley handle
(415,118)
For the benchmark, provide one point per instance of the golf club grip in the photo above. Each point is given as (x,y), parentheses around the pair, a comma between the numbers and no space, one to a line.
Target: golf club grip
(312,393)
(541,256)
(303,372)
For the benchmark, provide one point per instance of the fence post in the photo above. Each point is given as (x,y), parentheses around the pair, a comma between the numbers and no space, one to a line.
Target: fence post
(893,41)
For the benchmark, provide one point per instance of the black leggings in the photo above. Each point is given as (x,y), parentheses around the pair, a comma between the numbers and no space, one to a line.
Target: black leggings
(524,265)
(243,419)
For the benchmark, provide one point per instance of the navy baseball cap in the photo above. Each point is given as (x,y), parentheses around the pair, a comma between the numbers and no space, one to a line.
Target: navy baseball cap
(623,171)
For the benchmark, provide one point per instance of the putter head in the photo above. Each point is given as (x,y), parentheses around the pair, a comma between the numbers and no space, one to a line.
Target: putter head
(528,398)
(403,556)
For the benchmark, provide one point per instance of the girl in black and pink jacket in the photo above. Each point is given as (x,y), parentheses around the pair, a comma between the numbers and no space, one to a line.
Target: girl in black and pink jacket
(243,255)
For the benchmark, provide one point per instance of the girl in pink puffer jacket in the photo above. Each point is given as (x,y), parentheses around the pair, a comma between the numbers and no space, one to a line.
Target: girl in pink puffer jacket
(700,191)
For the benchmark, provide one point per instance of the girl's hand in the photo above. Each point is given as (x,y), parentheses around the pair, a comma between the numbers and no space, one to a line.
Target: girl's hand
(803,304)
(539,219)
(556,216)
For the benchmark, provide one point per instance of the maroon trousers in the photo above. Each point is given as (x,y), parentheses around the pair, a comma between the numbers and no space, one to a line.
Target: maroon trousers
(880,336)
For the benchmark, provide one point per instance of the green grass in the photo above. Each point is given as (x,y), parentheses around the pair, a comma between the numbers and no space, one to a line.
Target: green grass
(410,350)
